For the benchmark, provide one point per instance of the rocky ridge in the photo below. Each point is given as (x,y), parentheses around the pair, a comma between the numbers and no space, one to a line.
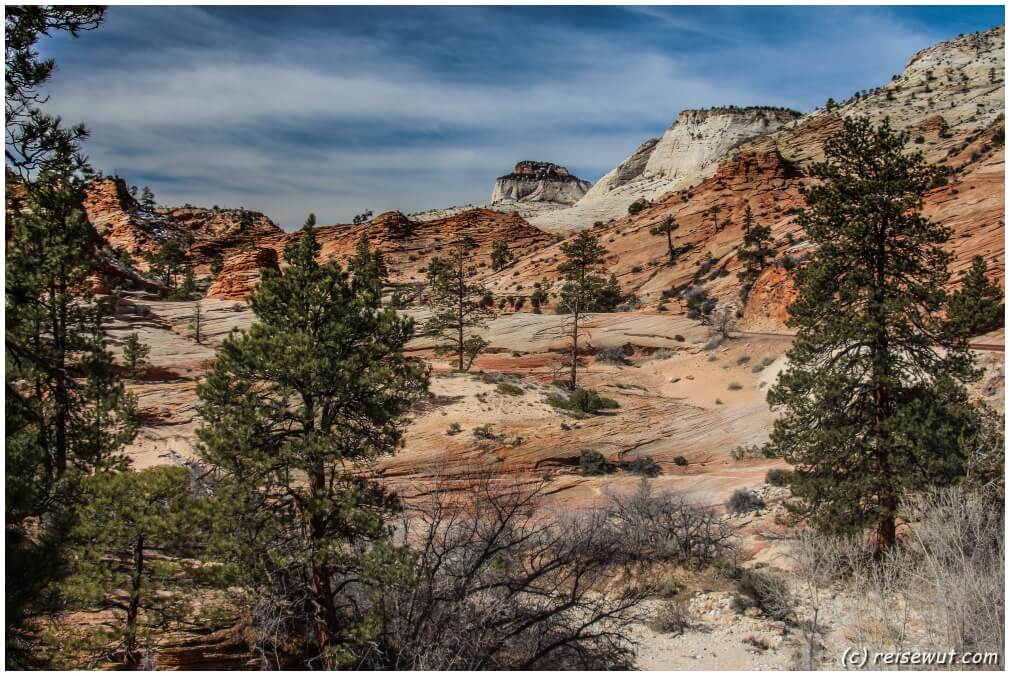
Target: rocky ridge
(539,182)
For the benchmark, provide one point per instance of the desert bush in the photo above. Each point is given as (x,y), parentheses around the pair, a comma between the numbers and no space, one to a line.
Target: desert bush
(637,206)
(662,353)
(680,461)
(743,500)
(747,452)
(509,389)
(679,338)
(582,401)
(611,355)
(673,617)
(645,466)
(491,582)
(735,386)
(769,593)
(592,463)
(742,359)
(663,526)
(777,477)
(484,433)
(454,429)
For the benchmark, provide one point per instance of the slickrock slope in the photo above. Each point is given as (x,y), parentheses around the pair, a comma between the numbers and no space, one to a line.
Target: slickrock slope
(539,182)
(241,273)
(687,151)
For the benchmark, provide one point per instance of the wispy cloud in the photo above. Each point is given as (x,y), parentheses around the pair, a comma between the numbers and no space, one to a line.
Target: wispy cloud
(335,110)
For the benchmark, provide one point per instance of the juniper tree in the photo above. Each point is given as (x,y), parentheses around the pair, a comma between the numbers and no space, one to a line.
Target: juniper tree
(294,410)
(977,307)
(756,252)
(131,532)
(584,290)
(456,304)
(872,403)
(135,355)
(666,227)
(501,255)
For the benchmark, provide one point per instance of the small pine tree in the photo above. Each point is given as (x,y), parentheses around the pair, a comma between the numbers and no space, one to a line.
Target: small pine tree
(977,307)
(667,227)
(714,212)
(135,355)
(501,255)
(456,304)
(124,519)
(873,403)
(755,254)
(147,200)
(196,322)
(368,266)
(584,290)
(295,410)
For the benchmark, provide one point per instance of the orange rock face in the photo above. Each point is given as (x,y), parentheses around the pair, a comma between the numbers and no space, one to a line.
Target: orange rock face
(241,273)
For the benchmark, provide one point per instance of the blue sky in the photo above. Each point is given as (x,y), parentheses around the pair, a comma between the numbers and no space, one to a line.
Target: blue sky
(336,110)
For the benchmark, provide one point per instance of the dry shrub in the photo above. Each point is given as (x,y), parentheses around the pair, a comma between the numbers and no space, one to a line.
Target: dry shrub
(673,617)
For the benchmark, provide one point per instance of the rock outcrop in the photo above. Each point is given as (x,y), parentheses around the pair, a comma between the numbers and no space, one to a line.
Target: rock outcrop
(539,182)
(241,273)
(689,150)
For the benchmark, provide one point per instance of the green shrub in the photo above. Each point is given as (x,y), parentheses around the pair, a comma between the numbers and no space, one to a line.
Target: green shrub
(777,477)
(735,386)
(611,355)
(637,206)
(582,401)
(645,466)
(454,429)
(680,461)
(510,389)
(484,432)
(742,360)
(679,338)
(592,463)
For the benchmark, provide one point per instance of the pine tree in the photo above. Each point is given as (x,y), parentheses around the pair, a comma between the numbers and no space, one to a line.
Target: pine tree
(667,228)
(124,518)
(147,200)
(977,307)
(714,211)
(501,255)
(584,290)
(755,254)
(294,411)
(368,266)
(135,355)
(168,262)
(66,414)
(196,322)
(872,402)
(456,304)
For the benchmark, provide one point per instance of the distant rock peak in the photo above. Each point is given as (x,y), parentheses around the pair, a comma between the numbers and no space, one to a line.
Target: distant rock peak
(534,181)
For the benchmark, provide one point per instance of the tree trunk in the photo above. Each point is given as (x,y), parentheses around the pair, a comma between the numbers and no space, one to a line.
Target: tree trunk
(575,347)
(669,244)
(130,654)
(885,531)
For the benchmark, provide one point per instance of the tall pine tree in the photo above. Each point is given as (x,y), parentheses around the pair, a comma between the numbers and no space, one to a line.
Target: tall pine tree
(294,411)
(585,290)
(872,402)
(456,304)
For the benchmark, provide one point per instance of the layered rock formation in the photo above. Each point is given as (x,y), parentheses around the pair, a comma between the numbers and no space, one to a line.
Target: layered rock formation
(689,150)
(241,273)
(539,182)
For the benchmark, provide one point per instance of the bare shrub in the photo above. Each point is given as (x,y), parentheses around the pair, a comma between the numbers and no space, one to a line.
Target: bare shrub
(673,617)
(769,593)
(743,500)
(662,526)
(495,586)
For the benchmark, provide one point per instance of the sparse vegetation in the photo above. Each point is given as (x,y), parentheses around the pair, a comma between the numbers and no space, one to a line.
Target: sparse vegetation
(743,500)
(582,401)
(509,389)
